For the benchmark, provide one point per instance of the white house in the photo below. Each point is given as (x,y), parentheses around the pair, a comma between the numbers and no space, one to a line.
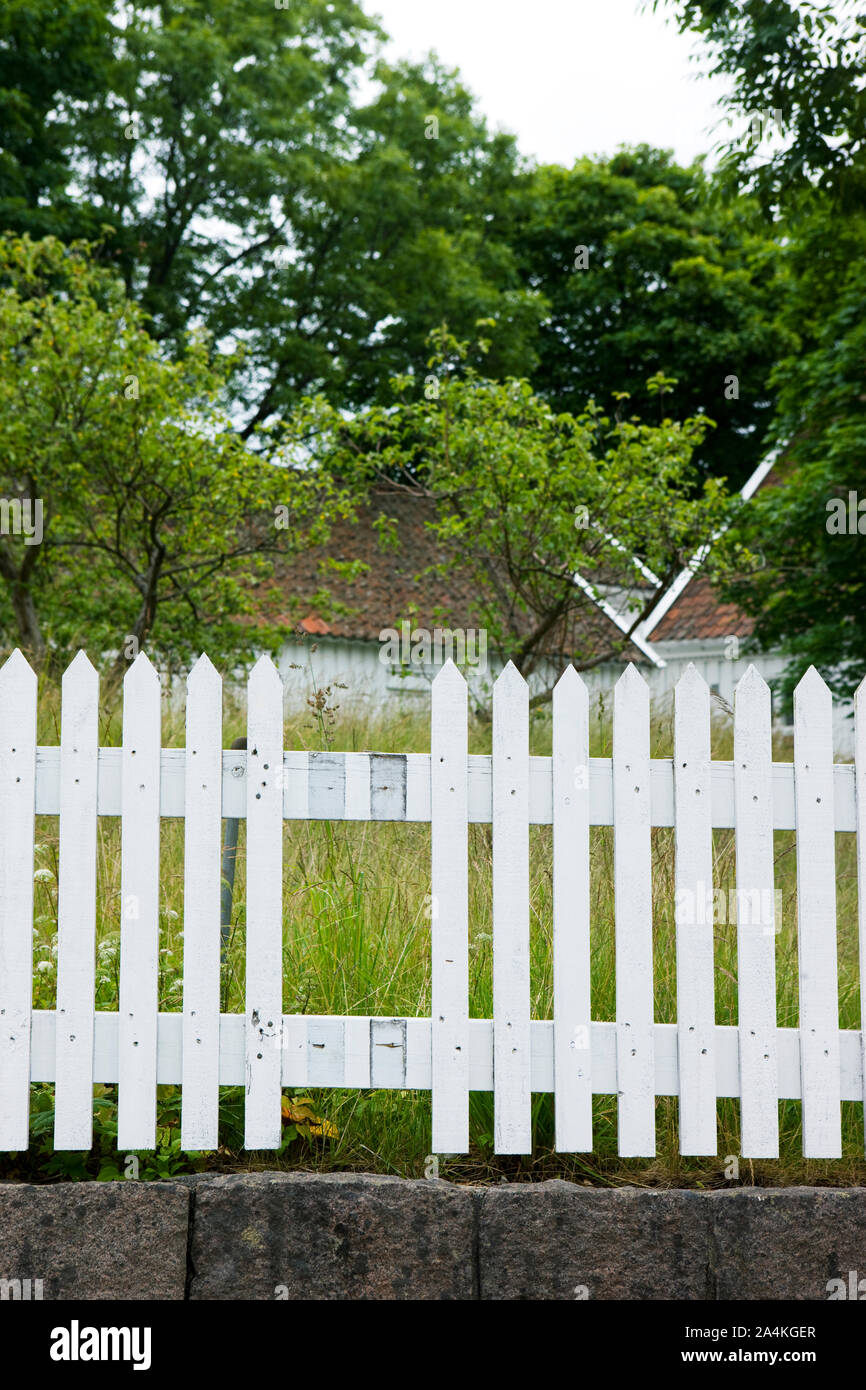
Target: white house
(387,635)
(387,632)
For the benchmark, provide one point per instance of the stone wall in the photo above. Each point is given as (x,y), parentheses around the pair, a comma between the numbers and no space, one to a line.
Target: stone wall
(357,1236)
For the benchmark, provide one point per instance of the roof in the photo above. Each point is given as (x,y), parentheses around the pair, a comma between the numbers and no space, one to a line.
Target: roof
(698,613)
(395,587)
(690,609)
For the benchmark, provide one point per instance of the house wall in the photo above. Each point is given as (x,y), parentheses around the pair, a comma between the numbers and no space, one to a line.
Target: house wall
(357,665)
(722,671)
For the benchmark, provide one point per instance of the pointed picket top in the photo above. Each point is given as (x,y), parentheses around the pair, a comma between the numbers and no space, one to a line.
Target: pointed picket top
(750,680)
(202,673)
(16,669)
(264,675)
(571,696)
(141,674)
(751,697)
(80,663)
(509,679)
(449,677)
(631,693)
(570,681)
(631,679)
(811,685)
(691,680)
(80,678)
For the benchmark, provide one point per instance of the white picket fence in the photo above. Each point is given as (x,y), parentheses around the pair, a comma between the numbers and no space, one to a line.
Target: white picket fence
(513,1055)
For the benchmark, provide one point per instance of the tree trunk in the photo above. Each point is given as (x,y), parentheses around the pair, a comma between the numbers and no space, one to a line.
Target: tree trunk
(30,638)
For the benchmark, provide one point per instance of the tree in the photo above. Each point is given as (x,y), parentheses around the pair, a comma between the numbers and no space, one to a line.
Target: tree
(786,562)
(413,228)
(525,497)
(133,511)
(251,191)
(797,69)
(53,60)
(646,269)
(796,558)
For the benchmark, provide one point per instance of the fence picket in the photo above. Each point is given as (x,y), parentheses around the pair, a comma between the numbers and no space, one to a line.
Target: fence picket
(635,1061)
(262,1121)
(571,955)
(201,910)
(449,911)
(816,918)
(756,945)
(76,906)
(449,1053)
(860,803)
(139,896)
(696,1018)
(17,810)
(512,1106)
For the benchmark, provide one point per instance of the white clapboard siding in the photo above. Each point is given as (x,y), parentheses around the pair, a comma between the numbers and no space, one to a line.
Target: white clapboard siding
(816,918)
(860,767)
(756,940)
(201,908)
(571,952)
(17,801)
(634,919)
(449,912)
(76,910)
(139,905)
(264,962)
(694,913)
(512,1097)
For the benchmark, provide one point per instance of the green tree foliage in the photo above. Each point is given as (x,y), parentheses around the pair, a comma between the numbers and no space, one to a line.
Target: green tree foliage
(156,521)
(412,228)
(526,496)
(804,62)
(797,70)
(251,190)
(255,187)
(54,60)
(646,270)
(796,558)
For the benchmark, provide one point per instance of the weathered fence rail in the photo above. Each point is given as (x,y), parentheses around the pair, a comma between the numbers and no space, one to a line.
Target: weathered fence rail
(450,1053)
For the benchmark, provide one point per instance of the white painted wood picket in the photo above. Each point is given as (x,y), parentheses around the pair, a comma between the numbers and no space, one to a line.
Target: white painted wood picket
(451,1054)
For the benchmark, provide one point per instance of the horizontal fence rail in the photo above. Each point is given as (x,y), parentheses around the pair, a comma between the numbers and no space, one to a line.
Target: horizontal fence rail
(397,787)
(451,1054)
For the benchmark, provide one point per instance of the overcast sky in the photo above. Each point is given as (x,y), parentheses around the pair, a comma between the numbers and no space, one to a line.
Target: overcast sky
(568,77)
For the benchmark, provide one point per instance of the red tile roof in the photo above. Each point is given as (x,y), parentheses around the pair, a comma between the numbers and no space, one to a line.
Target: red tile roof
(394,587)
(697,613)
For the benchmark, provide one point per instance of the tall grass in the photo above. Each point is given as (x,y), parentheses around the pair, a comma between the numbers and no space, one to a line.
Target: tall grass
(356,940)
